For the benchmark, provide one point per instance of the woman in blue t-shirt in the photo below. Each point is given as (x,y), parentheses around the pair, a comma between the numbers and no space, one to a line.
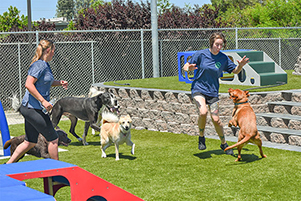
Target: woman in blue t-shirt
(37,96)
(210,63)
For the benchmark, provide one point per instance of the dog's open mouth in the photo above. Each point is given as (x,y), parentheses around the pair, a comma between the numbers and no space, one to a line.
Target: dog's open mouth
(114,110)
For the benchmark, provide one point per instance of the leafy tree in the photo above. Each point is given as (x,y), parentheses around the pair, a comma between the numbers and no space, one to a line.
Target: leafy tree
(279,13)
(96,3)
(163,6)
(204,17)
(128,15)
(115,15)
(65,8)
(225,5)
(275,13)
(81,5)
(12,20)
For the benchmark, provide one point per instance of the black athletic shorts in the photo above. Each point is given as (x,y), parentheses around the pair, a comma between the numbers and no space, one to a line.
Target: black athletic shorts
(37,122)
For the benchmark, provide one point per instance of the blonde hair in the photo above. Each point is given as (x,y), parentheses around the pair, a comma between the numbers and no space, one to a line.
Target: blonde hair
(217,35)
(43,45)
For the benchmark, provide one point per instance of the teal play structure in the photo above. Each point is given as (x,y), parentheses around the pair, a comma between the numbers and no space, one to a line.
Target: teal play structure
(4,129)
(260,71)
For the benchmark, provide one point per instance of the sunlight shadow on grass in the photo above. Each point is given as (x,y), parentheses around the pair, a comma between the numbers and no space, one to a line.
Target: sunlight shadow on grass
(121,156)
(208,154)
(245,159)
(94,143)
(77,143)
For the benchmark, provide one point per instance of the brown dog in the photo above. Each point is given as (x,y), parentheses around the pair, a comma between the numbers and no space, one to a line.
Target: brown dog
(41,148)
(115,131)
(244,117)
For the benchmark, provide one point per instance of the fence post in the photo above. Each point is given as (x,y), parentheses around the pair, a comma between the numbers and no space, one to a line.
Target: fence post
(154,22)
(92,66)
(161,59)
(279,42)
(20,78)
(37,38)
(236,38)
(142,53)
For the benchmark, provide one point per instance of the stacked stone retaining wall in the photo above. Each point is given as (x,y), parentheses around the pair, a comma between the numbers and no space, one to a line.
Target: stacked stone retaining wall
(174,111)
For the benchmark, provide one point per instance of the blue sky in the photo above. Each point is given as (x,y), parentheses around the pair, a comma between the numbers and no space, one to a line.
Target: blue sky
(47,8)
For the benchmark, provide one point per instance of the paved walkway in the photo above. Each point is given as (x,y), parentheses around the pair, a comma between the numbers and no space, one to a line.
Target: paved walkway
(14,118)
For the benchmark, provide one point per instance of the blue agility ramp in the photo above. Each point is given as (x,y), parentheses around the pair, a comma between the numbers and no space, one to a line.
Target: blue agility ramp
(4,129)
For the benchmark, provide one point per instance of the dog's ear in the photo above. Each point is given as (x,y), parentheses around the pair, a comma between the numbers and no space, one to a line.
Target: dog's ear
(230,90)
(247,93)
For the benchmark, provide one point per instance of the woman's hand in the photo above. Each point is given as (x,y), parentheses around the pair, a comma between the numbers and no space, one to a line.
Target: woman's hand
(243,61)
(189,67)
(64,84)
(48,106)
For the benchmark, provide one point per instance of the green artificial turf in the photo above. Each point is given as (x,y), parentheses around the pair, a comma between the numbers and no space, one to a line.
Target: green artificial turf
(169,166)
(172,83)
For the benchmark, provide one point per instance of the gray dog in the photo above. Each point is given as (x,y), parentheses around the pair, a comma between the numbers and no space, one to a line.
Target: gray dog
(41,148)
(86,109)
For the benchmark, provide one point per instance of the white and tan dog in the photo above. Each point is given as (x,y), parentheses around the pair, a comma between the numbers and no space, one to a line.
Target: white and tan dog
(116,131)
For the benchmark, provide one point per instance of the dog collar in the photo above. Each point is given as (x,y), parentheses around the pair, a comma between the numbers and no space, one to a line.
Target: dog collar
(240,103)
(124,133)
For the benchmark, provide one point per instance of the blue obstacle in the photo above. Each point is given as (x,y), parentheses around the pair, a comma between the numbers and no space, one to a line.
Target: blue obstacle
(4,129)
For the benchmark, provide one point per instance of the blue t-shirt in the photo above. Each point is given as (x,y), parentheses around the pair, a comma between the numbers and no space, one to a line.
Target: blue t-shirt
(40,70)
(210,67)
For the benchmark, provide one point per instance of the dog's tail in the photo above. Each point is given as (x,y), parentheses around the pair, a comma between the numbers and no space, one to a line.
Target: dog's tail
(244,140)
(7,144)
(108,117)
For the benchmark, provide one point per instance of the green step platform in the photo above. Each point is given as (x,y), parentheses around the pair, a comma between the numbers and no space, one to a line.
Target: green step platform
(260,71)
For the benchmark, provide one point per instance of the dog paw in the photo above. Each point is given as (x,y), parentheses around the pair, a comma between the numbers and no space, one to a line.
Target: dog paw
(103,155)
(117,159)
(85,143)
(80,139)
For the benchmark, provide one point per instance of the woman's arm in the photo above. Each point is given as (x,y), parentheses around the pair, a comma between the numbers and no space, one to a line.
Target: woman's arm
(29,84)
(62,83)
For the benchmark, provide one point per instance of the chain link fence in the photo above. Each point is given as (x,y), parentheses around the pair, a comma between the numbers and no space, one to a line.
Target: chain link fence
(87,57)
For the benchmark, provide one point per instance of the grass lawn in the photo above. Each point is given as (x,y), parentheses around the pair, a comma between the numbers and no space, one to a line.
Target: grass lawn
(169,166)
(172,83)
